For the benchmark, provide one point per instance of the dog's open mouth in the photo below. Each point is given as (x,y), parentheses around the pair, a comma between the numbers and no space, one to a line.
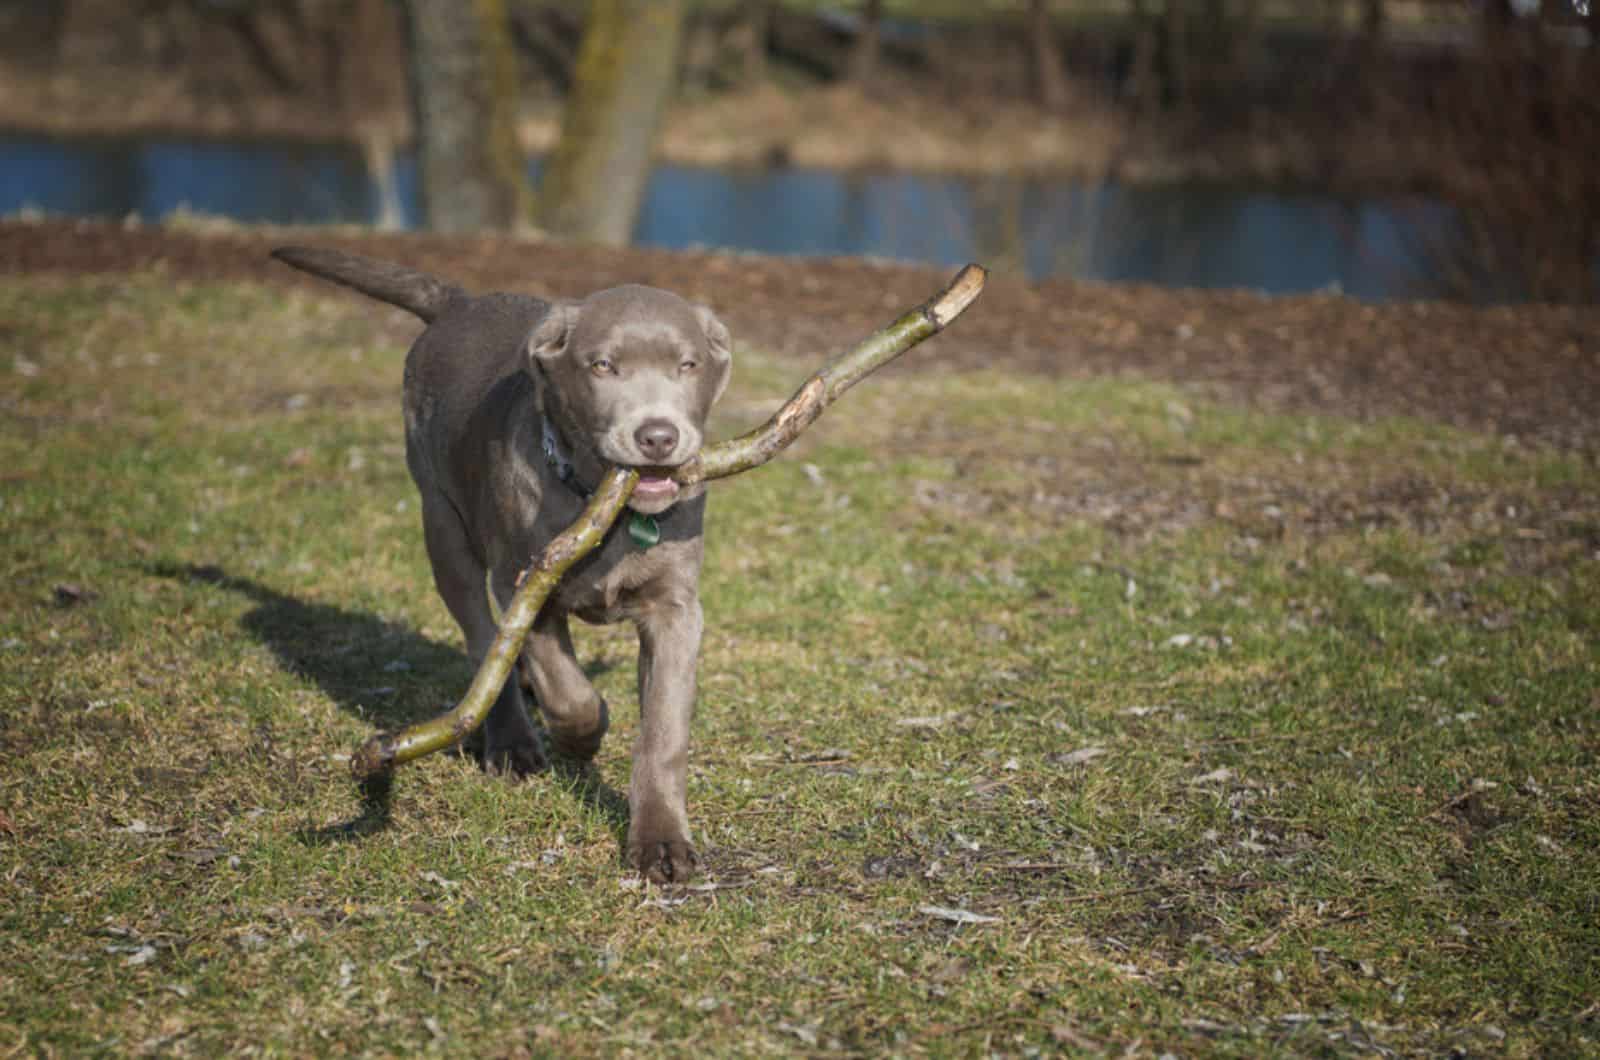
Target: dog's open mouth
(654,486)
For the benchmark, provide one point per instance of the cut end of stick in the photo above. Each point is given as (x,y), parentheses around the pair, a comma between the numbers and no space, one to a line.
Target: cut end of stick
(963,290)
(374,759)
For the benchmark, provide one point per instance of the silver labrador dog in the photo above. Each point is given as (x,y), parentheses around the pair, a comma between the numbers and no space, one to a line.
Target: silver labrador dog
(514,409)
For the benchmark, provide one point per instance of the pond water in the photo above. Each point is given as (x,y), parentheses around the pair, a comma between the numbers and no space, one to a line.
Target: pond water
(1194,235)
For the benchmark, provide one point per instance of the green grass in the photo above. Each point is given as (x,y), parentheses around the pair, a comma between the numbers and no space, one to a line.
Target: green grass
(1255,733)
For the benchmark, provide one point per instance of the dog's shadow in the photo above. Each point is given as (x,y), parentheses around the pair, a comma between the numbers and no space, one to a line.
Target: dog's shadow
(385,674)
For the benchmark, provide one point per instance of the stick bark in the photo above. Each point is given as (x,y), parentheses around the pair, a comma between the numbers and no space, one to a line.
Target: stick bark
(381,753)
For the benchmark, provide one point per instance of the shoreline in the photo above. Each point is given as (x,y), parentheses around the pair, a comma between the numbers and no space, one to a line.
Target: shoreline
(833,127)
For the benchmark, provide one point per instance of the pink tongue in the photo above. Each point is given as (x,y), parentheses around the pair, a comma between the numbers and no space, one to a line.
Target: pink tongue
(655,486)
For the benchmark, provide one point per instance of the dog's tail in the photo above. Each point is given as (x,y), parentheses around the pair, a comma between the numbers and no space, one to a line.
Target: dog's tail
(409,289)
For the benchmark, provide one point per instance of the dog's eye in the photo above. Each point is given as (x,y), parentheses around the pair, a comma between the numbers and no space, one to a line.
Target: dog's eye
(688,366)
(602,367)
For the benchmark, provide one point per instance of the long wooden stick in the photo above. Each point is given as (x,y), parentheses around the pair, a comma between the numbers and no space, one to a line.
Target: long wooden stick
(381,753)
(384,751)
(824,388)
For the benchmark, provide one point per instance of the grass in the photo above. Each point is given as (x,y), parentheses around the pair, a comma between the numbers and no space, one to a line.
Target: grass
(1253,733)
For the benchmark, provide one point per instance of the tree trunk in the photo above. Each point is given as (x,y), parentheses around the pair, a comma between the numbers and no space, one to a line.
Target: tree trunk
(596,178)
(864,56)
(1245,44)
(702,48)
(1499,14)
(1049,82)
(1175,53)
(543,35)
(41,23)
(377,154)
(1216,26)
(1372,22)
(272,36)
(755,23)
(368,82)
(1141,81)
(1499,19)
(464,87)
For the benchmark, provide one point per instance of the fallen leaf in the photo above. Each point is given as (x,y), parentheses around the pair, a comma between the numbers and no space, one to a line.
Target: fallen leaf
(806,1032)
(928,721)
(1142,712)
(664,902)
(201,855)
(957,916)
(143,955)
(879,868)
(831,754)
(1078,757)
(138,826)
(1065,1035)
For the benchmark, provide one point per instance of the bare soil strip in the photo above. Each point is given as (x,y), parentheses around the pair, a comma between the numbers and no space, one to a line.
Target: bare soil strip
(1530,372)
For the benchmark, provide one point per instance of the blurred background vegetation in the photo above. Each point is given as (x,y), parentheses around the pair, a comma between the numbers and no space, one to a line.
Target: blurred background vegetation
(1484,113)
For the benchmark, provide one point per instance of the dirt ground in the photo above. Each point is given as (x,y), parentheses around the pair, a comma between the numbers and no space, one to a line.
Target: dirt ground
(1531,373)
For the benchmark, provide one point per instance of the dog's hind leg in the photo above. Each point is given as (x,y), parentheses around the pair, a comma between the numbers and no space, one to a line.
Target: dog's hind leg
(510,743)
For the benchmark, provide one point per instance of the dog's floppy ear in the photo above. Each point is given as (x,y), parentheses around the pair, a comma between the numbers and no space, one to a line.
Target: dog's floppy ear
(717,341)
(549,339)
(718,345)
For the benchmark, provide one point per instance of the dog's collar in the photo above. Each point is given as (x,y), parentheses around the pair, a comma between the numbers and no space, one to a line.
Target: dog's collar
(643,529)
(560,461)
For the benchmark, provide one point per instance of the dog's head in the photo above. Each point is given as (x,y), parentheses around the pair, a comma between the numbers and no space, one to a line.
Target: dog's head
(631,374)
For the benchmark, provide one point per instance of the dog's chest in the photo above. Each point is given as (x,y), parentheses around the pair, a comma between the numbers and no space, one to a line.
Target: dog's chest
(622,580)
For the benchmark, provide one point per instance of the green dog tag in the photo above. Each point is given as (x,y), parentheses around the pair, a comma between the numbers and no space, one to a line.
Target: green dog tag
(644,529)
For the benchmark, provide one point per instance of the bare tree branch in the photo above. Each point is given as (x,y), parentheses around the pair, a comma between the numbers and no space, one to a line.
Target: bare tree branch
(384,751)
(380,754)
(824,388)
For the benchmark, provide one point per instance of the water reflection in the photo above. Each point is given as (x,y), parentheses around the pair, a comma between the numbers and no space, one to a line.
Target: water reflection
(1195,235)
(1206,235)
(283,183)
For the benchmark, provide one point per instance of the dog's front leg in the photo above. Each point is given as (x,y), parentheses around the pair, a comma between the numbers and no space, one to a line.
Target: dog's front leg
(658,833)
(575,714)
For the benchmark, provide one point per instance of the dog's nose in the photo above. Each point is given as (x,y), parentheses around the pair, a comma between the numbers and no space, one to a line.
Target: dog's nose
(656,439)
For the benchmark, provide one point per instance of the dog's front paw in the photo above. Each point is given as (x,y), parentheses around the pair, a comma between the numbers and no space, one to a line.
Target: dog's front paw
(575,731)
(664,860)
